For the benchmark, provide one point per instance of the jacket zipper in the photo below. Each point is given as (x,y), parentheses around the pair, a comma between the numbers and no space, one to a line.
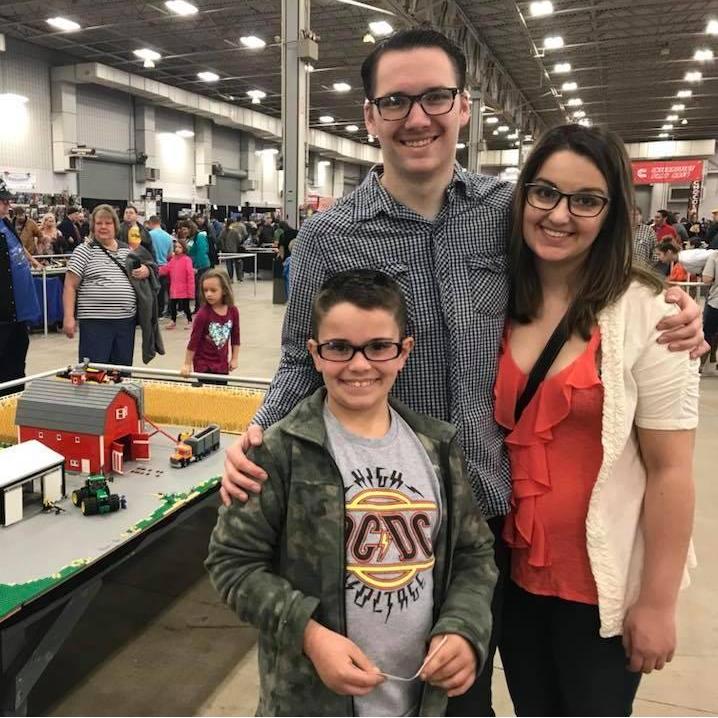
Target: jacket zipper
(342,563)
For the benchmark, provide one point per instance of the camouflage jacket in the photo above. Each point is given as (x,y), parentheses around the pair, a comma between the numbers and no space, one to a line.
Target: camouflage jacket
(279,559)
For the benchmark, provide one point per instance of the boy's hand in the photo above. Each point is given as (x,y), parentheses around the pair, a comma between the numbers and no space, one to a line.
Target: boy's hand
(340,663)
(233,364)
(684,331)
(453,668)
(185,370)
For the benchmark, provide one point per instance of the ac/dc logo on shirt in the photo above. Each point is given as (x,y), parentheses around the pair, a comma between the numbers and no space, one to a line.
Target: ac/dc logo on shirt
(388,542)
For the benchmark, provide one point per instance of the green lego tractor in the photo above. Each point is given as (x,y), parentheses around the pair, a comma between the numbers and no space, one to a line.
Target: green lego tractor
(95,497)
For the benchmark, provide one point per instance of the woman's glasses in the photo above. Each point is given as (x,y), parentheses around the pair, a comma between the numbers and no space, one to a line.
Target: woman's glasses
(580,204)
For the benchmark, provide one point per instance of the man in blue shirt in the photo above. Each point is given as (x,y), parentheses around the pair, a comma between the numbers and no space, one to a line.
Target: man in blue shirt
(161,248)
(18,301)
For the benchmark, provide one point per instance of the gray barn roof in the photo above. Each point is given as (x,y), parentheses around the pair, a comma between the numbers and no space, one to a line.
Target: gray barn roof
(60,405)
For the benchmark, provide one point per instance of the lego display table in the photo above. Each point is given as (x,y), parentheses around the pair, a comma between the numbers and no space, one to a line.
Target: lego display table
(54,563)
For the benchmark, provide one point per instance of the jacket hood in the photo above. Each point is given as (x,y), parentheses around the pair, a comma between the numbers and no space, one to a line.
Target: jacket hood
(305,421)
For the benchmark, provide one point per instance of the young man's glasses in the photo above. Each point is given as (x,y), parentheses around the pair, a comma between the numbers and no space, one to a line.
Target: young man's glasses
(580,204)
(376,350)
(437,101)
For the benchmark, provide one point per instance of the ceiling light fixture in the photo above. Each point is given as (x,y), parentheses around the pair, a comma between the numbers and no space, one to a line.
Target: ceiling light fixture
(695,76)
(684,121)
(569,87)
(684,93)
(561,68)
(326,119)
(553,42)
(678,107)
(579,114)
(352,128)
(252,42)
(149,56)
(495,133)
(492,120)
(671,118)
(712,27)
(460,146)
(575,102)
(181,7)
(502,128)
(667,126)
(703,55)
(341,87)
(663,134)
(512,136)
(63,24)
(541,8)
(368,38)
(208,76)
(186,134)
(381,28)
(256,95)
(584,122)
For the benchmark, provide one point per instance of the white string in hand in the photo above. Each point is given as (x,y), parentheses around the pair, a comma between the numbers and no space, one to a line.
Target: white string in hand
(421,667)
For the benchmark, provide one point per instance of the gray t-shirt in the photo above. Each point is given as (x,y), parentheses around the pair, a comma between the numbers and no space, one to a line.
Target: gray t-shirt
(393,513)
(709,270)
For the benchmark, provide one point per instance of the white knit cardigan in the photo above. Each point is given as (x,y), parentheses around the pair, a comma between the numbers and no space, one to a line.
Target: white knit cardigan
(647,386)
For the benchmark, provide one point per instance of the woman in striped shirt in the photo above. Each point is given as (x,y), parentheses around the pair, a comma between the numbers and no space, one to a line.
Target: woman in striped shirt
(98,293)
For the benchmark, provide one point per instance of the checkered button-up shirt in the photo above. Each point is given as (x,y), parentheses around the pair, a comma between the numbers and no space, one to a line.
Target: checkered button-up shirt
(453,274)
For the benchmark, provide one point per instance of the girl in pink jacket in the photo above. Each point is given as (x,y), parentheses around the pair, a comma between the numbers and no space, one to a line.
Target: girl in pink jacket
(181,274)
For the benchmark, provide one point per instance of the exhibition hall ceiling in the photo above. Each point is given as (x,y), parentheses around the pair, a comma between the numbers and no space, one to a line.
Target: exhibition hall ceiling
(642,67)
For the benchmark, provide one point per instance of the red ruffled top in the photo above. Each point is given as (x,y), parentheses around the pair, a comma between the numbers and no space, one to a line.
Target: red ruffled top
(556,453)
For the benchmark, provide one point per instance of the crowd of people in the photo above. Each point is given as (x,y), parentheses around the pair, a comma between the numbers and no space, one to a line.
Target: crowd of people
(480,433)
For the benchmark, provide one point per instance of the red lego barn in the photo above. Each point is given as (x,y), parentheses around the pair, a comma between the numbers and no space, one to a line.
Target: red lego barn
(96,427)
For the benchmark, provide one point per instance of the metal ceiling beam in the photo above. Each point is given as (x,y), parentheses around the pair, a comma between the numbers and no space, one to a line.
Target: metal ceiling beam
(483,69)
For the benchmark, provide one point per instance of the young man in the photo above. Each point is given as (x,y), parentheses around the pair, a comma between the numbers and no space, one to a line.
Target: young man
(663,228)
(131,225)
(441,232)
(70,231)
(161,249)
(365,558)
(670,266)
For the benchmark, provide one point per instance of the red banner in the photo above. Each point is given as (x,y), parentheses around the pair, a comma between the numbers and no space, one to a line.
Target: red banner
(677,171)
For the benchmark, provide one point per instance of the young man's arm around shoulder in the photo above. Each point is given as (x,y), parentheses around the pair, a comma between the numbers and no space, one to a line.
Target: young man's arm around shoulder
(465,615)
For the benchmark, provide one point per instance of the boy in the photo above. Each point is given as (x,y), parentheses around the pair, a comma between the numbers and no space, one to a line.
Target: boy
(365,551)
(668,258)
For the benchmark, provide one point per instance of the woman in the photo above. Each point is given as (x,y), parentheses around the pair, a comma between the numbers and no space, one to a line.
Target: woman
(49,235)
(198,250)
(98,286)
(601,455)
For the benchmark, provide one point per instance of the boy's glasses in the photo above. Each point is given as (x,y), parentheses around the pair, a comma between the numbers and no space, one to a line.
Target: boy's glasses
(580,204)
(375,350)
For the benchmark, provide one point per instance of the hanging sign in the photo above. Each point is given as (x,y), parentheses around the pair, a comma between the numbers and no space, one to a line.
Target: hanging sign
(694,197)
(675,171)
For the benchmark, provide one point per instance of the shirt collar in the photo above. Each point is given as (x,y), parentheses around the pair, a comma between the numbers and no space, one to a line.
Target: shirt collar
(371,198)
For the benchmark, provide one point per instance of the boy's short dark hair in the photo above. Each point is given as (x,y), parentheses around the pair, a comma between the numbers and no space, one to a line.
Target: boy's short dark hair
(364,288)
(667,246)
(410,40)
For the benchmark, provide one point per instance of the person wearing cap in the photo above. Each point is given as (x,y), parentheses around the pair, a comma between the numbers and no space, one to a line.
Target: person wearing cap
(18,300)
(70,231)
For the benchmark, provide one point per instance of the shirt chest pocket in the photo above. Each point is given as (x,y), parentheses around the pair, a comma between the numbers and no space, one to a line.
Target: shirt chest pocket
(487,277)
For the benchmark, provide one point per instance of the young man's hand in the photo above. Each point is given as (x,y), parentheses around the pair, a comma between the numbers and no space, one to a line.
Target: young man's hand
(233,364)
(683,331)
(453,668)
(340,663)
(240,474)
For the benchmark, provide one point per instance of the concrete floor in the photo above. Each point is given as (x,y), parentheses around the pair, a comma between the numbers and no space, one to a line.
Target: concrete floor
(156,640)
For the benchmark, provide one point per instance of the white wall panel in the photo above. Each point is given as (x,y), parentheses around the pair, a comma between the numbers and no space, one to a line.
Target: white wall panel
(175,156)
(25,134)
(105,119)
(225,146)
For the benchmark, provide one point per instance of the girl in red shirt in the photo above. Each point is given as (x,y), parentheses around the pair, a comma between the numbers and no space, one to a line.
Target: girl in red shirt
(214,345)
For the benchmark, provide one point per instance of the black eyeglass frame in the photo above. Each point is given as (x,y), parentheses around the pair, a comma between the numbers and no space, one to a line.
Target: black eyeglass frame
(399,346)
(413,99)
(569,196)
